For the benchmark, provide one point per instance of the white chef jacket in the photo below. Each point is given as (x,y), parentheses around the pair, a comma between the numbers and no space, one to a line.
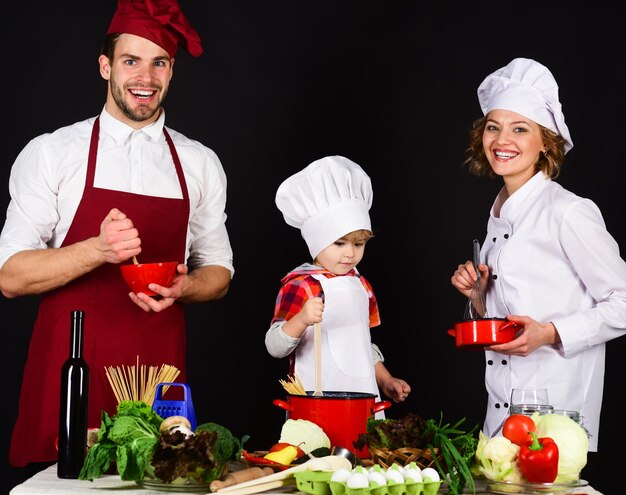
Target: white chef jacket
(551,258)
(48,178)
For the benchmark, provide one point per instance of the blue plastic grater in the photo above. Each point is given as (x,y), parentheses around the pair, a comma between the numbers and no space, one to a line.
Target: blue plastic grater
(166,408)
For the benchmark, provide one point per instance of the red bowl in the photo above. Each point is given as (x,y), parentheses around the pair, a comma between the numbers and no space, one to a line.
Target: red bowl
(138,276)
(483,332)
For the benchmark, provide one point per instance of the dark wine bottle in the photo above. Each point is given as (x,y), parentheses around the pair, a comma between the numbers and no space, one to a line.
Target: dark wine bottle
(73,404)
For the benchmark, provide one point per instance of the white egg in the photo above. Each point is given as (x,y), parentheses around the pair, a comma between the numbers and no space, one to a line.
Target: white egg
(360,469)
(430,473)
(414,474)
(394,475)
(377,477)
(341,475)
(357,480)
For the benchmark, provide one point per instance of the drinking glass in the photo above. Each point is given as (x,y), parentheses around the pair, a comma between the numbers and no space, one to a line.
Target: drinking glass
(530,396)
(529,400)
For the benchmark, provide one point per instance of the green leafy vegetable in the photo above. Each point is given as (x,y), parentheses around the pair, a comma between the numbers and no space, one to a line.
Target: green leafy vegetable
(410,431)
(457,448)
(201,457)
(132,440)
(128,438)
(178,457)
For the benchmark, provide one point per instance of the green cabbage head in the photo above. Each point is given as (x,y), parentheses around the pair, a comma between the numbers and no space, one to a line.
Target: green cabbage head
(572,440)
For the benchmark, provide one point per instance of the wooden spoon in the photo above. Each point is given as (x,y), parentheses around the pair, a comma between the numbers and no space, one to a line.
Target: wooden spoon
(317,340)
(135,262)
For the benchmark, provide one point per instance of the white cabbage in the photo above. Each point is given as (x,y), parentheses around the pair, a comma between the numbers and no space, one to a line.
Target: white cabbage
(572,440)
(305,434)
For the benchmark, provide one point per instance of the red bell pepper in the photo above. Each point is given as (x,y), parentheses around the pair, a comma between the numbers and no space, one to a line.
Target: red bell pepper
(539,459)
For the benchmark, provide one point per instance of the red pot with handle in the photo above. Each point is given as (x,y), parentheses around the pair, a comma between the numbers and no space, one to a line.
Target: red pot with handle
(480,332)
(342,415)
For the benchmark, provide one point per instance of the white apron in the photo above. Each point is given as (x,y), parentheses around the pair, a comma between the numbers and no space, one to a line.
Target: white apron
(346,341)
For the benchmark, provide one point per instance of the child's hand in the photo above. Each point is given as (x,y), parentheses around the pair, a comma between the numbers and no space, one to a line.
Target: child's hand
(312,311)
(396,389)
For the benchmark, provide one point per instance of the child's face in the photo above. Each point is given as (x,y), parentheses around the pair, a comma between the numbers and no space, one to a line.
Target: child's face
(341,256)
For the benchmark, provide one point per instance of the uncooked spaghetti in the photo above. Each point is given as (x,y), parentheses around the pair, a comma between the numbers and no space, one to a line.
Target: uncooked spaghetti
(139,383)
(293,386)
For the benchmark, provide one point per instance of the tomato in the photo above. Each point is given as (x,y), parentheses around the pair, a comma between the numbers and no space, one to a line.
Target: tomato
(517,427)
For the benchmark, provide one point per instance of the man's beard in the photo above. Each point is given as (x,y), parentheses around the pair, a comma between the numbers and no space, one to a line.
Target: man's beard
(139,114)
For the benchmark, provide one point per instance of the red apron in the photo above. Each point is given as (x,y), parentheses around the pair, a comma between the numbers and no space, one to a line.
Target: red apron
(116,330)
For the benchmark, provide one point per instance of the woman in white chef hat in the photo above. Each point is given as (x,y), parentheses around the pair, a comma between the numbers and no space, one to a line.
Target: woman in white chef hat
(329,202)
(549,262)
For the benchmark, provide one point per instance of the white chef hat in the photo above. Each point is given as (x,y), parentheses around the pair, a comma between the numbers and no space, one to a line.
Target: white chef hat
(326,200)
(526,87)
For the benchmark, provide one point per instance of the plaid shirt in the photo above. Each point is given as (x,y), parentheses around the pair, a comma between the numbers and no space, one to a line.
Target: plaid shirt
(297,287)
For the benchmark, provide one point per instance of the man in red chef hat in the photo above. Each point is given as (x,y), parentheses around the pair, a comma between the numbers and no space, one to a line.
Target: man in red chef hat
(93,195)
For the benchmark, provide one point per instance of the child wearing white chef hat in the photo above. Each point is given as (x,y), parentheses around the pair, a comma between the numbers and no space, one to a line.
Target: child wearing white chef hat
(329,201)
(549,262)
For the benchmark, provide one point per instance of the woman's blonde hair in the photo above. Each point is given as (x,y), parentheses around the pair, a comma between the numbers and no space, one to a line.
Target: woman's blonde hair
(549,161)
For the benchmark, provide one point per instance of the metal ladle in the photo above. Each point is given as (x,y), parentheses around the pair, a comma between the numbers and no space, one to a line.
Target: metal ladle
(348,454)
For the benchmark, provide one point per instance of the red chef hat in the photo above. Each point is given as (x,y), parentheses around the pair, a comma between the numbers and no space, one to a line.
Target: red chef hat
(160,21)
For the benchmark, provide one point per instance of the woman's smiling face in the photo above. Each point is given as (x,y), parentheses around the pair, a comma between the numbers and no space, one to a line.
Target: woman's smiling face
(512,145)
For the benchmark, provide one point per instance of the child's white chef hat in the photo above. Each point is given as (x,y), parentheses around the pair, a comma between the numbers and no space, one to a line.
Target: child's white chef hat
(526,87)
(326,200)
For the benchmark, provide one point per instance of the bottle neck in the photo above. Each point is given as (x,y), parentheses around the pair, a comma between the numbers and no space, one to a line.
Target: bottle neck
(76,334)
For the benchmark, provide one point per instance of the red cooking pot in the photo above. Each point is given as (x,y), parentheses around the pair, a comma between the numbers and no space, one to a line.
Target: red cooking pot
(480,332)
(342,415)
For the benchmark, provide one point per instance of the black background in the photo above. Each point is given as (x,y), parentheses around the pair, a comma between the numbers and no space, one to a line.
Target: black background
(391,85)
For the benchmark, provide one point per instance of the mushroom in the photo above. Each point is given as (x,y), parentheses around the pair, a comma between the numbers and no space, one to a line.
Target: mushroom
(176,423)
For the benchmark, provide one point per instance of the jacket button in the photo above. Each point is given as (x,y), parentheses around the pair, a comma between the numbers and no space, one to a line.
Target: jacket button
(494,239)
(504,362)
(497,406)
(506,404)
(490,362)
(506,236)
(494,276)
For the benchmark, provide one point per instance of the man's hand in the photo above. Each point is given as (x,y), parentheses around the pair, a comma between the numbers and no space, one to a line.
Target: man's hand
(167,295)
(119,239)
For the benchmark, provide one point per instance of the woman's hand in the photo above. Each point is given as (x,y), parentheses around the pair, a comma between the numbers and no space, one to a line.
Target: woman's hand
(465,276)
(531,337)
